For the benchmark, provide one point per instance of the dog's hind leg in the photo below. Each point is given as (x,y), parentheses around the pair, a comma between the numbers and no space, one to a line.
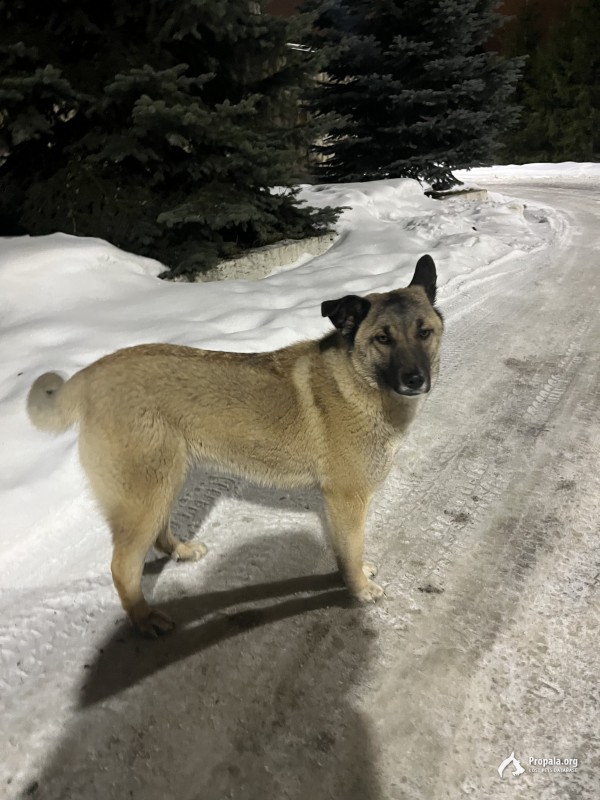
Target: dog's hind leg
(346,515)
(135,480)
(133,535)
(178,550)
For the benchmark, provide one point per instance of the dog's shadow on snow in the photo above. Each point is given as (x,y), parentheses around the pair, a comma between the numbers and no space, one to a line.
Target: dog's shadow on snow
(205,619)
(252,696)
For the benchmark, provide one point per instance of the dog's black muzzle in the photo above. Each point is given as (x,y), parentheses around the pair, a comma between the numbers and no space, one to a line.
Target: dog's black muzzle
(413,383)
(406,374)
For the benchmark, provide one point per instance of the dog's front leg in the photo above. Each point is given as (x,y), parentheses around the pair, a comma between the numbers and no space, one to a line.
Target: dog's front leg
(346,516)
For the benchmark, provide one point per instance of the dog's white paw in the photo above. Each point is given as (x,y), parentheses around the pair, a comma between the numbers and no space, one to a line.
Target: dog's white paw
(370,593)
(189,551)
(369,569)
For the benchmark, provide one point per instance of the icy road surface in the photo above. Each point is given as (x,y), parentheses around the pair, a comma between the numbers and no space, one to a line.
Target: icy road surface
(486,644)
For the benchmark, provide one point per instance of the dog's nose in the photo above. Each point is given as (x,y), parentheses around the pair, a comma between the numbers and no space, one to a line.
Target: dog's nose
(413,380)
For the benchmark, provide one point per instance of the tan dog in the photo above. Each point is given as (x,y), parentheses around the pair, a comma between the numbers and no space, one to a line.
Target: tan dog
(326,413)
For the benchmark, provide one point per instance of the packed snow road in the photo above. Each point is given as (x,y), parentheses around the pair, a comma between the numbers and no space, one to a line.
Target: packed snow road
(486,644)
(504,518)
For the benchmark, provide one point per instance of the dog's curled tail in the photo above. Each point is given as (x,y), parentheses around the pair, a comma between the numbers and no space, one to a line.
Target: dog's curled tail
(52,403)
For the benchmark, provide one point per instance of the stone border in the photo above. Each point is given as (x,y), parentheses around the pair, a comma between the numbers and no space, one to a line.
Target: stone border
(463,194)
(258,263)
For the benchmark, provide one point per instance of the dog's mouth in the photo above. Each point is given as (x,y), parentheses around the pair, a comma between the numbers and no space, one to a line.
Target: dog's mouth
(404,391)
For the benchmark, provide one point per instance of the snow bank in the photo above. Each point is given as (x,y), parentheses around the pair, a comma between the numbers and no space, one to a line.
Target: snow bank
(569,172)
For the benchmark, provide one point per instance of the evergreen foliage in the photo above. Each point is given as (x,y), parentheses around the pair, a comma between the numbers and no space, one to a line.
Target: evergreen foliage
(160,126)
(560,92)
(414,89)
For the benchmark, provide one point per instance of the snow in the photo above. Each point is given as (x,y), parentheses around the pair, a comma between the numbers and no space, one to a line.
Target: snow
(567,172)
(66,301)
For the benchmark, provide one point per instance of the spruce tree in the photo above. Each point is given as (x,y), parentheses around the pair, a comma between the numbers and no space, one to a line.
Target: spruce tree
(415,90)
(560,93)
(162,127)
(522,39)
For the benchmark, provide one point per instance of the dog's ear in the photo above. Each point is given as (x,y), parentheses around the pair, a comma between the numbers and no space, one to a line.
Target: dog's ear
(426,276)
(346,313)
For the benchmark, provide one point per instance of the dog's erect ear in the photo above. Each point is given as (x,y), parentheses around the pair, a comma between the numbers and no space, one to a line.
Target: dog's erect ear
(346,313)
(426,276)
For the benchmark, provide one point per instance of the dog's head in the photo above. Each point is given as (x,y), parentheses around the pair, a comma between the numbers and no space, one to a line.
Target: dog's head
(393,338)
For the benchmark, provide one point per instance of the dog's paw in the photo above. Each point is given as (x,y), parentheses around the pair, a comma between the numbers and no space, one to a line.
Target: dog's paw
(370,593)
(369,569)
(154,623)
(189,551)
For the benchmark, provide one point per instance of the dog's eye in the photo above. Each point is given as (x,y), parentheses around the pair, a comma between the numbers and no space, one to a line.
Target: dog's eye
(383,338)
(424,333)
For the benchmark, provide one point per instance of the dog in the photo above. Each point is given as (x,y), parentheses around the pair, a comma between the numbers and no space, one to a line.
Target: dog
(327,413)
